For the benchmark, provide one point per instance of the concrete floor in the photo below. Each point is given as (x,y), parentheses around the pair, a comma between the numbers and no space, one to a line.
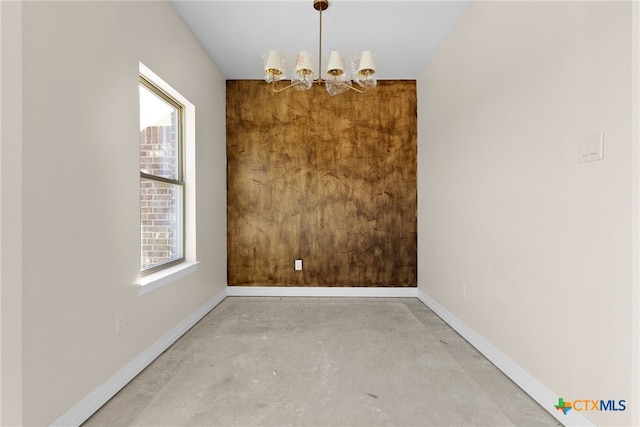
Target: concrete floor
(321,362)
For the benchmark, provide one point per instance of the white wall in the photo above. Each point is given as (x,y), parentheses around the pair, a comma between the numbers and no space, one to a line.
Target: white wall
(79,177)
(10,214)
(530,249)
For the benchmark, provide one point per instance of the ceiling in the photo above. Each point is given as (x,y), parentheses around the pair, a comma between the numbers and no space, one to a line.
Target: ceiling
(402,34)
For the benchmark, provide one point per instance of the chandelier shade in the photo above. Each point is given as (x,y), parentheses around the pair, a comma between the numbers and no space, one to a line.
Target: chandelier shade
(304,63)
(274,65)
(335,67)
(366,64)
(337,78)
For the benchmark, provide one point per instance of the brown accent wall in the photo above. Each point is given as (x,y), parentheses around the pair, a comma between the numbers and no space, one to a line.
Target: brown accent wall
(329,180)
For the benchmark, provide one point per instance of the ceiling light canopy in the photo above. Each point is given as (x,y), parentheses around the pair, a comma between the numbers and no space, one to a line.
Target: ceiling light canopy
(336,78)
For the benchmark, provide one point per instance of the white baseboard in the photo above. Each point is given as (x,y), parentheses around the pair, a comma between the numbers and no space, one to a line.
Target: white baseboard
(291,291)
(534,388)
(82,410)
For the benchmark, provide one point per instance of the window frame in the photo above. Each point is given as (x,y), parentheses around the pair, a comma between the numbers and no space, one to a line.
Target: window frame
(180,181)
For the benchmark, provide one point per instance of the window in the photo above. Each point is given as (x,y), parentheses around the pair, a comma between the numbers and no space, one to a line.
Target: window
(162,185)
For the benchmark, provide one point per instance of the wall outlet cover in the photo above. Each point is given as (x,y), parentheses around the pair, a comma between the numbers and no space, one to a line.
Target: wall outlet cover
(591,147)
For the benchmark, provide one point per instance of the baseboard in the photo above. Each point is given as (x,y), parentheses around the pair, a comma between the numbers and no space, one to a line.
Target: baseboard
(534,388)
(81,411)
(291,291)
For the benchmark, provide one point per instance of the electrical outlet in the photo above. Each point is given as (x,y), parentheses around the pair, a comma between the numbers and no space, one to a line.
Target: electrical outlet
(120,322)
(298,265)
(591,147)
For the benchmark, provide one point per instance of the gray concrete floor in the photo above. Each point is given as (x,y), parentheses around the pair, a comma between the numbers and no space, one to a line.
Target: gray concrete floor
(321,362)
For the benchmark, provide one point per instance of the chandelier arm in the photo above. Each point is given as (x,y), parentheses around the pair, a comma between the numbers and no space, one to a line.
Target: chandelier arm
(348,86)
(366,86)
(273,86)
(351,87)
(356,89)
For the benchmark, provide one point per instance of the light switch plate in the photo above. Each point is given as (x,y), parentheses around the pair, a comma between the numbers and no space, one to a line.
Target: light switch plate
(298,265)
(591,147)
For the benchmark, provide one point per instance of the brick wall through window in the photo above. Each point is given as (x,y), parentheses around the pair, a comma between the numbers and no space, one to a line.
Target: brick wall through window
(160,202)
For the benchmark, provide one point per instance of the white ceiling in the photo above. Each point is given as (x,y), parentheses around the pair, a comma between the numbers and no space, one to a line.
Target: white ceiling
(403,34)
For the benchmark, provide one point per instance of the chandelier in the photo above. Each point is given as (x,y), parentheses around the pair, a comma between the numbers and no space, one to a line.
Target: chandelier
(336,79)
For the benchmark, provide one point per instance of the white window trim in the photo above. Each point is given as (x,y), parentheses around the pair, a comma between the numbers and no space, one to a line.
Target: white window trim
(165,276)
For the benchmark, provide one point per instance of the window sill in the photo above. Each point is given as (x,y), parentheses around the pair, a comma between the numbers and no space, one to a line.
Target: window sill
(166,276)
